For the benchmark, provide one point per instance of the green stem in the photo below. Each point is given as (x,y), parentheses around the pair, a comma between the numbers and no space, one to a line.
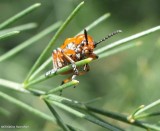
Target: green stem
(58,118)
(13,85)
(66,85)
(60,71)
(51,43)
(110,114)
(29,42)
(147,107)
(123,118)
(146,115)
(79,63)
(19,15)
(43,66)
(9,34)
(96,22)
(127,39)
(85,116)
(116,50)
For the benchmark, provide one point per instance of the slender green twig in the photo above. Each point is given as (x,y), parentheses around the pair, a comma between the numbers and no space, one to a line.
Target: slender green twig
(153,104)
(96,22)
(29,41)
(146,115)
(19,28)
(85,116)
(110,114)
(12,85)
(43,66)
(118,49)
(123,118)
(131,117)
(61,87)
(80,63)
(58,118)
(19,15)
(60,71)
(127,39)
(9,34)
(51,43)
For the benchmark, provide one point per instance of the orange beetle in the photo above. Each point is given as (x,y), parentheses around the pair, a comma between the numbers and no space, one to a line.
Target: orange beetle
(73,50)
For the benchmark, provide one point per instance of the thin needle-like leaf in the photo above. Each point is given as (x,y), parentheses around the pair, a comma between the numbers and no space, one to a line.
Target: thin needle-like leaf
(61,87)
(43,66)
(110,114)
(9,34)
(19,28)
(60,71)
(96,22)
(19,15)
(29,41)
(127,39)
(117,50)
(86,116)
(145,108)
(12,85)
(80,63)
(58,118)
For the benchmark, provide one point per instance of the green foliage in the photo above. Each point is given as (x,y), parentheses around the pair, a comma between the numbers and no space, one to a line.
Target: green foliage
(31,85)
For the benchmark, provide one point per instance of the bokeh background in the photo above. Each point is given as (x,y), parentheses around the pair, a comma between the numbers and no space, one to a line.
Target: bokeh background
(122,81)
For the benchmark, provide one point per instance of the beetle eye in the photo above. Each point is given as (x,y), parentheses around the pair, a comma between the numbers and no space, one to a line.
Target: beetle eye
(82,44)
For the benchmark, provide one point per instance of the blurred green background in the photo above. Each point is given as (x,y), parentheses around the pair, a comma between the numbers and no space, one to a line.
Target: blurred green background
(123,81)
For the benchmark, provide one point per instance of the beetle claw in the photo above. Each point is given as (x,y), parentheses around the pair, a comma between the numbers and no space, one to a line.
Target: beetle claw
(53,71)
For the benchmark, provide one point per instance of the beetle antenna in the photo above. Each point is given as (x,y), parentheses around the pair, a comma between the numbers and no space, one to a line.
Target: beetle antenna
(85,35)
(107,37)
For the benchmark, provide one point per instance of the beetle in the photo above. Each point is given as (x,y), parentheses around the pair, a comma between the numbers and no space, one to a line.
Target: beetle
(75,49)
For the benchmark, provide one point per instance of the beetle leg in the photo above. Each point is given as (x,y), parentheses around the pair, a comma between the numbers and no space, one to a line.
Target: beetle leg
(73,65)
(55,64)
(65,81)
(86,68)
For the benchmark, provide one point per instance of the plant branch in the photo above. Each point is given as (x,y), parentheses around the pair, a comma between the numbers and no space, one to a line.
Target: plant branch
(59,71)
(43,66)
(118,49)
(146,115)
(110,114)
(153,104)
(85,116)
(61,87)
(13,85)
